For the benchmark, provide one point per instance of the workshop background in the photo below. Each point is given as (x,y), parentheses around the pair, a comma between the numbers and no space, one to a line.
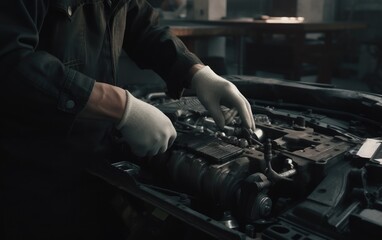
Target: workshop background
(354,65)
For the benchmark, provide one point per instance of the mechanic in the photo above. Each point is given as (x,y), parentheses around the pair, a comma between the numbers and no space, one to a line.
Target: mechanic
(61,102)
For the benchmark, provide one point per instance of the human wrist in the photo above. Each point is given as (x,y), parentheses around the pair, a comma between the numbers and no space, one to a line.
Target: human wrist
(191,73)
(105,102)
(202,75)
(127,110)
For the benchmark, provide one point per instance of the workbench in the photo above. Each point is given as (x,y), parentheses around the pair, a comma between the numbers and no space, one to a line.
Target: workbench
(295,33)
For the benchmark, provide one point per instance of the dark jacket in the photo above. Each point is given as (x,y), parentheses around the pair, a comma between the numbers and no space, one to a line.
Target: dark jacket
(51,53)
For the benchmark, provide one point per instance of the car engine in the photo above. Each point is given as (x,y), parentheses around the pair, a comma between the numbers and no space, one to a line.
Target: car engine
(305,172)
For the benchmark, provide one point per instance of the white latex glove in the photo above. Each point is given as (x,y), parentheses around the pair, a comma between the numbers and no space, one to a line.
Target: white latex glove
(214,91)
(145,128)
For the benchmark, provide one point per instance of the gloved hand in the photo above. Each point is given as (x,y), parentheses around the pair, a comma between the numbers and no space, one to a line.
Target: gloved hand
(145,128)
(214,91)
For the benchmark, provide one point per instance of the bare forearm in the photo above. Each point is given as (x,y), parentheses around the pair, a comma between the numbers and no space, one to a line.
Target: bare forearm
(105,102)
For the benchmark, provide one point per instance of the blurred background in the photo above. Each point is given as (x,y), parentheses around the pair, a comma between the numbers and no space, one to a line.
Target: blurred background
(337,43)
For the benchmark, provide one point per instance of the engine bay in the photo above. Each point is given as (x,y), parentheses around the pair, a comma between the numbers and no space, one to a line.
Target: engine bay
(299,175)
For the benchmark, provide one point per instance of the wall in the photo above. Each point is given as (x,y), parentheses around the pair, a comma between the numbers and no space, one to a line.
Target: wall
(311,10)
(369,12)
(247,8)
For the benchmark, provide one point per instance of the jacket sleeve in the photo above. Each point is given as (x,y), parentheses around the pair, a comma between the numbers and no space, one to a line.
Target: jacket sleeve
(35,85)
(155,47)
